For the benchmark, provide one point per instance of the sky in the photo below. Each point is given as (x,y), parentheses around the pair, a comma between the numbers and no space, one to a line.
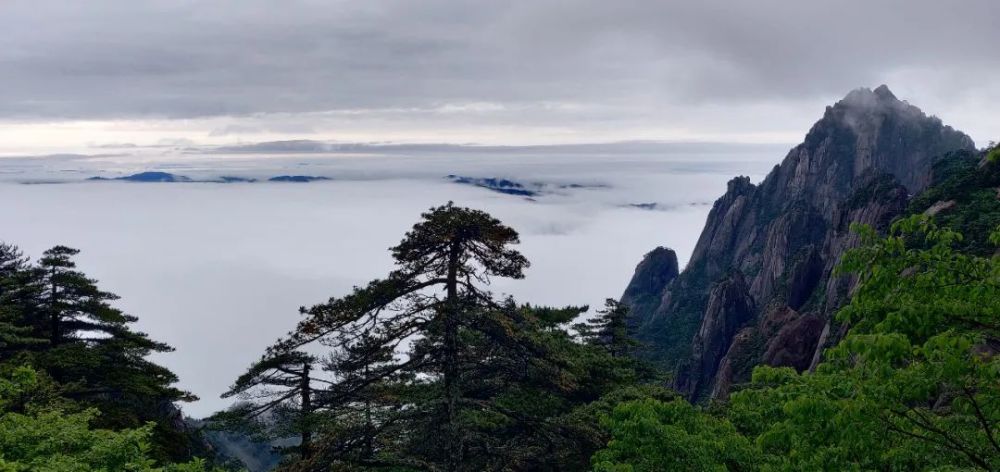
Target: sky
(116,73)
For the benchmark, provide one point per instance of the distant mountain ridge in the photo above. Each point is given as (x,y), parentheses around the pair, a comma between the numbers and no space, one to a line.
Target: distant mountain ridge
(151,176)
(166,177)
(759,287)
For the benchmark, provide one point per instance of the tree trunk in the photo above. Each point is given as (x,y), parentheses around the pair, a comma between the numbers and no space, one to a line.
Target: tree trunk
(306,409)
(451,359)
(369,428)
(55,336)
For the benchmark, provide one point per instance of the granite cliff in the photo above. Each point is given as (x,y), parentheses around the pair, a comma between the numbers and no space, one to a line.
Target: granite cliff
(759,287)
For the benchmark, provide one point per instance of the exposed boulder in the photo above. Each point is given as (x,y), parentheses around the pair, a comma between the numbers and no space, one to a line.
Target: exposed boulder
(658,268)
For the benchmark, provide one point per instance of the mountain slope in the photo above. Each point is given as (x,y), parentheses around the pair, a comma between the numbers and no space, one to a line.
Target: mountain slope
(758,287)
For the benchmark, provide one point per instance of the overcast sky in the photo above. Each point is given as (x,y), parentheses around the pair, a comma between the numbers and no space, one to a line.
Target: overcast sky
(76,74)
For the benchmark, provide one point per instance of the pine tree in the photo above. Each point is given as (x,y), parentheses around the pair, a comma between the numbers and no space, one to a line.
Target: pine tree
(278,392)
(19,292)
(434,296)
(56,319)
(86,333)
(74,308)
(431,371)
(608,329)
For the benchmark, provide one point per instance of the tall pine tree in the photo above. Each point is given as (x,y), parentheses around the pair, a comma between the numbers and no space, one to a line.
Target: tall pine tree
(56,319)
(19,292)
(433,372)
(608,329)
(407,331)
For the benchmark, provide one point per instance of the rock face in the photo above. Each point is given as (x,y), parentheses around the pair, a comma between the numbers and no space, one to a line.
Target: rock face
(758,287)
(729,308)
(657,269)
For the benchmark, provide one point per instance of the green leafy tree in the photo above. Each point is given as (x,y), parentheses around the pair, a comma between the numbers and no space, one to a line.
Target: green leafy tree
(86,334)
(535,391)
(432,298)
(38,434)
(916,382)
(652,435)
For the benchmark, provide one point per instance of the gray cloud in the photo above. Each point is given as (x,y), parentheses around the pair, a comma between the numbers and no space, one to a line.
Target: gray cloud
(307,146)
(613,64)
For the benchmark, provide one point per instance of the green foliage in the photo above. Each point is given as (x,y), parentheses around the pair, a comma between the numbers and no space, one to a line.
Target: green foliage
(915,384)
(608,329)
(56,319)
(277,391)
(973,188)
(18,289)
(653,435)
(42,436)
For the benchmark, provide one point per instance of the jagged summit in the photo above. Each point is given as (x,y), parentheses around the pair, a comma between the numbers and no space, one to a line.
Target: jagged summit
(872,131)
(883,91)
(774,245)
(865,94)
(862,103)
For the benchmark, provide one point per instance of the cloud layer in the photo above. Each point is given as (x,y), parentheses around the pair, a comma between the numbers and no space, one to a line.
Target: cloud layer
(302,67)
(219,270)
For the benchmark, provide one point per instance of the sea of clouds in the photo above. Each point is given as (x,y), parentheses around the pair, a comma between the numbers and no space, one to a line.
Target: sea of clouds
(219,270)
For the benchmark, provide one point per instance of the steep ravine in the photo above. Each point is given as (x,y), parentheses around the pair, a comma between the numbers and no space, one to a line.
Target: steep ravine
(758,287)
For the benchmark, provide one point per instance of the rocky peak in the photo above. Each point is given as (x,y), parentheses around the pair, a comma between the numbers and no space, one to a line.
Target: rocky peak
(785,235)
(865,111)
(739,186)
(883,91)
(873,131)
(658,268)
(866,97)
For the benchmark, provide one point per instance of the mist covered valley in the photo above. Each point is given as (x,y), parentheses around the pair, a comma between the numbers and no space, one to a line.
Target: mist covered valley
(198,260)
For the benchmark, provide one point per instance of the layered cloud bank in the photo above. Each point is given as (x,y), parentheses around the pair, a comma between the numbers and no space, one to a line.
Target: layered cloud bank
(219,269)
(118,71)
